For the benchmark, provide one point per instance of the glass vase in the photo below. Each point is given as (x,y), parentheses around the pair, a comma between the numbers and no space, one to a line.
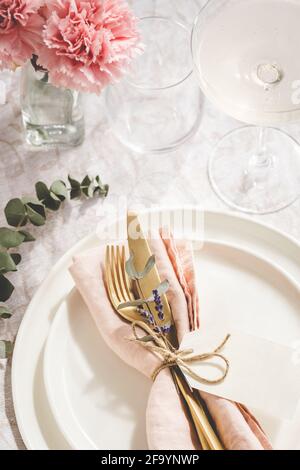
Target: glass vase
(51,116)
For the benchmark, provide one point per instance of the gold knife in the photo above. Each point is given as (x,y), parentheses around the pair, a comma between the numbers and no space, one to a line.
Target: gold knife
(140,249)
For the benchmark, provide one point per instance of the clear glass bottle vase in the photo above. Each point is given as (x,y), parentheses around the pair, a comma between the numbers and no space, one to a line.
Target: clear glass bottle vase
(51,116)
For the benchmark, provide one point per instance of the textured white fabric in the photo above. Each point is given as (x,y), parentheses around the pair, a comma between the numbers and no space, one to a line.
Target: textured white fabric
(175,178)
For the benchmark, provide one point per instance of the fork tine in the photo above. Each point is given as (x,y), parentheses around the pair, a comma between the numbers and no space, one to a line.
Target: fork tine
(114,275)
(112,265)
(109,281)
(119,279)
(124,274)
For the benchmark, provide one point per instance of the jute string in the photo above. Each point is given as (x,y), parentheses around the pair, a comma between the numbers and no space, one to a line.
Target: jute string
(171,357)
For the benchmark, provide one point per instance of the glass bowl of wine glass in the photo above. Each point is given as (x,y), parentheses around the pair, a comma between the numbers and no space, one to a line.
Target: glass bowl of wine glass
(158,105)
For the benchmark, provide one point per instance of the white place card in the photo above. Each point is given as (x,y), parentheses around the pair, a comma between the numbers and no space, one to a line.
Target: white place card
(262,374)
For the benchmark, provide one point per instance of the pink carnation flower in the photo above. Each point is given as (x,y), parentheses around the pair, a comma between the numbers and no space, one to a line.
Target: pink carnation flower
(88,43)
(20,31)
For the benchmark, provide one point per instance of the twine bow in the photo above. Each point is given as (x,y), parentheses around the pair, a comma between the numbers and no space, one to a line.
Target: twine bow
(171,357)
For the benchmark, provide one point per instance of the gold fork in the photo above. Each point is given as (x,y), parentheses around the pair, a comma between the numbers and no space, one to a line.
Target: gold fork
(119,288)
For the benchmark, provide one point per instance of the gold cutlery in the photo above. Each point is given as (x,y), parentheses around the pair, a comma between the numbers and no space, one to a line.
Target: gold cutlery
(119,288)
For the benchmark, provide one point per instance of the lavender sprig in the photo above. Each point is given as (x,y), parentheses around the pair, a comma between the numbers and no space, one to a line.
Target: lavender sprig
(164,330)
(148,316)
(158,304)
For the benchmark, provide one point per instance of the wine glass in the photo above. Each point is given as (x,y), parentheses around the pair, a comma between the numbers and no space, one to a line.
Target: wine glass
(245,55)
(158,105)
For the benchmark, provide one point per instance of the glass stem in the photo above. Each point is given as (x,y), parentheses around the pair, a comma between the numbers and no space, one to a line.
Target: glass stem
(260,159)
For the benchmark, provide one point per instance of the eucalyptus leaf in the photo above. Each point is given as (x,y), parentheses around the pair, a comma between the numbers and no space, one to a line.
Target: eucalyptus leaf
(16,257)
(101,190)
(59,189)
(132,303)
(95,189)
(75,193)
(30,200)
(36,214)
(161,289)
(48,197)
(7,263)
(6,349)
(52,202)
(15,213)
(74,183)
(129,267)
(75,188)
(91,190)
(86,185)
(4,312)
(133,273)
(146,339)
(54,197)
(42,191)
(6,289)
(27,235)
(10,238)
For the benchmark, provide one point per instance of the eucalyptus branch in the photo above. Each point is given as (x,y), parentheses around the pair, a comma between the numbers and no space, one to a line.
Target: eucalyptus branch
(21,212)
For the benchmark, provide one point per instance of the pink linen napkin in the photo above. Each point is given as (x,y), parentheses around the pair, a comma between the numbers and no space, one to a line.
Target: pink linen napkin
(168,426)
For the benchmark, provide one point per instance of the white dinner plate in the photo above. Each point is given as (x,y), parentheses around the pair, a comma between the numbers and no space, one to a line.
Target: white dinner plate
(85,390)
(36,421)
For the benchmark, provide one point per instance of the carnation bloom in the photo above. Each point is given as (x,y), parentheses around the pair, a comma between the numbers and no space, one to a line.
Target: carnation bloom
(87,43)
(20,31)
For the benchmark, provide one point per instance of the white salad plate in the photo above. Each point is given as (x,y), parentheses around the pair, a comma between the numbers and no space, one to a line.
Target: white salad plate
(69,389)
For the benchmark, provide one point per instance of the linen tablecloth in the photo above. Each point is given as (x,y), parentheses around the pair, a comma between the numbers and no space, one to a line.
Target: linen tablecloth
(179,177)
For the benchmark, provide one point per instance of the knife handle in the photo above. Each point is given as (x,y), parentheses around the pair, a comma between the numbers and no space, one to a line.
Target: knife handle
(206,434)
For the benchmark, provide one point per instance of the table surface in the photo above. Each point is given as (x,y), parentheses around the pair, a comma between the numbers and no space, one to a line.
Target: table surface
(174,178)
